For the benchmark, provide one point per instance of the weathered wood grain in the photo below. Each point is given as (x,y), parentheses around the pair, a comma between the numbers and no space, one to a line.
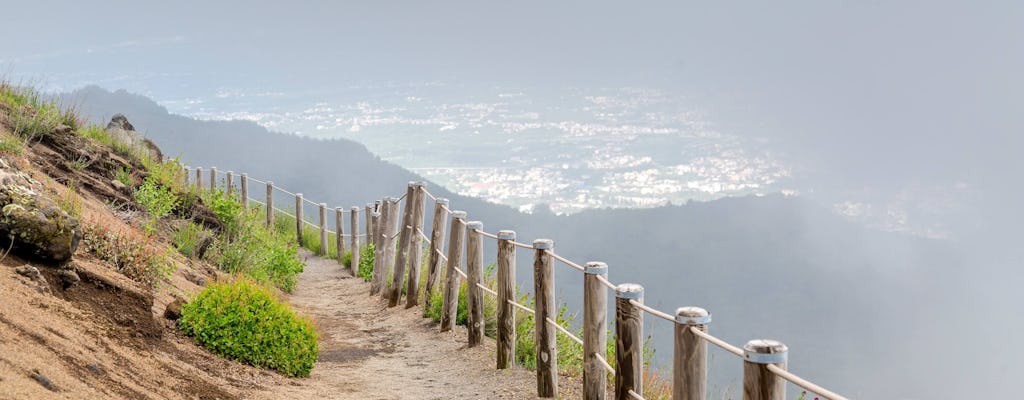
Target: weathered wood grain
(438,230)
(689,362)
(506,319)
(544,292)
(595,339)
(629,341)
(451,288)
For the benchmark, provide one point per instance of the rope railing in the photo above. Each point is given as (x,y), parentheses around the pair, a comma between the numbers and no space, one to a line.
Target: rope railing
(522,307)
(652,311)
(801,382)
(636,303)
(564,331)
(565,261)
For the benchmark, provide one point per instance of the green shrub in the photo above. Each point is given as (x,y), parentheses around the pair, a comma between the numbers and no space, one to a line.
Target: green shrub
(11,144)
(246,321)
(168,174)
(366,263)
(157,200)
(187,238)
(124,175)
(249,247)
(346,259)
(31,115)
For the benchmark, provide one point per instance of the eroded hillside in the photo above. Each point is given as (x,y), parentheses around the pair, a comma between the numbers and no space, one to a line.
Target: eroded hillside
(90,281)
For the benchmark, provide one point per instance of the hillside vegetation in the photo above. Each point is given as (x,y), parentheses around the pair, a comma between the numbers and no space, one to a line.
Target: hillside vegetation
(109,259)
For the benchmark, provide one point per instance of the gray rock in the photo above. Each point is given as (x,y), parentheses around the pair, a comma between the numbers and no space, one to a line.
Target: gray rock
(32,273)
(39,228)
(173,310)
(121,130)
(120,187)
(68,278)
(43,380)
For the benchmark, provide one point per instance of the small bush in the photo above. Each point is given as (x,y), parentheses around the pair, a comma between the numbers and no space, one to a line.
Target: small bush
(346,259)
(125,176)
(157,200)
(11,144)
(135,256)
(249,247)
(168,174)
(31,115)
(366,263)
(187,238)
(246,321)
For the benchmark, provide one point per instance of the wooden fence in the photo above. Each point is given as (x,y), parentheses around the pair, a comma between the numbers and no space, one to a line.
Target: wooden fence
(764,360)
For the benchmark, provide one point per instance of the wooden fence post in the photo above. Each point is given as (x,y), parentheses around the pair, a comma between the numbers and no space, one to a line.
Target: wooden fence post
(298,217)
(390,229)
(690,364)
(506,321)
(595,339)
(451,288)
(629,341)
(270,204)
(474,273)
(381,231)
(213,178)
(412,283)
(245,189)
(438,229)
(353,235)
(199,179)
(405,227)
(230,182)
(758,382)
(323,230)
(544,298)
(339,235)
(371,237)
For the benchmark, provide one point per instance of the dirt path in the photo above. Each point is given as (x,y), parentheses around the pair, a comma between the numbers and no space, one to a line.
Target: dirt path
(368,351)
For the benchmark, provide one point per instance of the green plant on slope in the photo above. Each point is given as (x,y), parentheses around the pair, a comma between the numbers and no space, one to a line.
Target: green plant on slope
(31,115)
(244,320)
(124,175)
(133,255)
(157,200)
(247,246)
(346,259)
(366,263)
(187,238)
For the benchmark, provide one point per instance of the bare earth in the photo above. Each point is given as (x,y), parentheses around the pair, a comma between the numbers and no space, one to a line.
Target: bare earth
(368,351)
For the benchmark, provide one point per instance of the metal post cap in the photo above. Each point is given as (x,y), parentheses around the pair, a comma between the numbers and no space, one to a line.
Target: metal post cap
(371,204)
(412,183)
(245,174)
(507,235)
(441,200)
(420,183)
(339,209)
(270,183)
(298,195)
(375,214)
(765,351)
(595,268)
(459,214)
(692,316)
(324,205)
(474,225)
(629,291)
(543,244)
(355,208)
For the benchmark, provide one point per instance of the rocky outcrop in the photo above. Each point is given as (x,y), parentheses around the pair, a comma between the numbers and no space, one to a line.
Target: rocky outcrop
(121,130)
(33,225)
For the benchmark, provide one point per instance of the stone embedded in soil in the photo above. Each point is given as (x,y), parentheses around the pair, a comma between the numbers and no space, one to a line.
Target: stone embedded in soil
(33,274)
(173,310)
(120,186)
(68,277)
(43,380)
(37,226)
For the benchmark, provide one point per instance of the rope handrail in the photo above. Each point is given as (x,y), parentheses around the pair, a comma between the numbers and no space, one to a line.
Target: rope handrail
(284,191)
(565,261)
(778,371)
(480,231)
(521,307)
(604,281)
(717,342)
(424,189)
(652,311)
(487,289)
(796,380)
(284,212)
(607,366)
(564,331)
(520,244)
(310,201)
